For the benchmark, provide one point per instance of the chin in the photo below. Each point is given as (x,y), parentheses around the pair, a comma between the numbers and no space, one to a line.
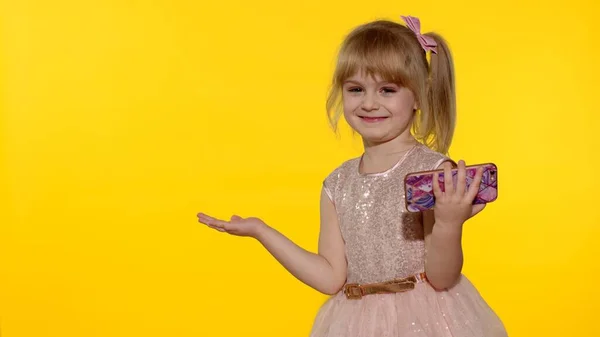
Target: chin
(374,136)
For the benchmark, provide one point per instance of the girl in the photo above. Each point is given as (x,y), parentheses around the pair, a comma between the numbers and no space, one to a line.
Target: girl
(390,272)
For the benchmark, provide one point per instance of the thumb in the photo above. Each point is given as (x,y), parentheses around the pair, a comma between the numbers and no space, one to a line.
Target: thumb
(235,218)
(477,208)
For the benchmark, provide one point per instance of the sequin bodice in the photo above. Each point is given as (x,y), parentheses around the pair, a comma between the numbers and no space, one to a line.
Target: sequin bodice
(383,240)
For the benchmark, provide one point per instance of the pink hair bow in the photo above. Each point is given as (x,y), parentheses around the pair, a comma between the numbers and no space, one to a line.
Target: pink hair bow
(427,42)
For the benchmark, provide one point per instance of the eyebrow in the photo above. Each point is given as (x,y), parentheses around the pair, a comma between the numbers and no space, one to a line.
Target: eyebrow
(351,82)
(378,83)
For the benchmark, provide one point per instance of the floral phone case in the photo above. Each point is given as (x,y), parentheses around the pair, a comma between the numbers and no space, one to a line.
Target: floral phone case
(419,186)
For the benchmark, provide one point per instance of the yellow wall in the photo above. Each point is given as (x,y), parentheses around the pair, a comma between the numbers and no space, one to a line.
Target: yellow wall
(121,120)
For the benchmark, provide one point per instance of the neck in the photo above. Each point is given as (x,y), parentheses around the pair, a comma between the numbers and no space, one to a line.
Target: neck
(379,157)
(391,148)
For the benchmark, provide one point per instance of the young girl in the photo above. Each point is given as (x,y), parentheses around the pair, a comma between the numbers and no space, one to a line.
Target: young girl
(390,272)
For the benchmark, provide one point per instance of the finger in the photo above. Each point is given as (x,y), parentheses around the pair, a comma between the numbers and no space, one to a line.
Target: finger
(448,183)
(461,180)
(476,209)
(210,221)
(207,218)
(437,191)
(474,188)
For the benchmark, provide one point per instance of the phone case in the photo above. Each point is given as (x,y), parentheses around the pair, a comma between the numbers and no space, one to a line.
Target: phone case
(419,186)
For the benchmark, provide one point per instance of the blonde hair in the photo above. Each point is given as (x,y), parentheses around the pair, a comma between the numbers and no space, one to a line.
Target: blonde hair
(392,51)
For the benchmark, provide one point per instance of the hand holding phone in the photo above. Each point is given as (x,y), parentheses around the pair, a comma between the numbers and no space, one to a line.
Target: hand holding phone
(418,186)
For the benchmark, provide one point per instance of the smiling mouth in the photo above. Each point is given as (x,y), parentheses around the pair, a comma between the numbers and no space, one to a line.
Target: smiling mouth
(372,119)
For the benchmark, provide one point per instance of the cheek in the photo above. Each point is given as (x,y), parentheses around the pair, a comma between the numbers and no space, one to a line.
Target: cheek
(350,104)
(401,107)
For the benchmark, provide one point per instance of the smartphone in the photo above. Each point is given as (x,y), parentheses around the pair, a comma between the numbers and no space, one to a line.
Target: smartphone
(418,186)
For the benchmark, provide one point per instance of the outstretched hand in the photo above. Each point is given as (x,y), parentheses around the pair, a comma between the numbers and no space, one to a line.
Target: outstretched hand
(235,226)
(454,205)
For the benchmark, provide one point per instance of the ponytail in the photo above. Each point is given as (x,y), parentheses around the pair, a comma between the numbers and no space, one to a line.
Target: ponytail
(439,118)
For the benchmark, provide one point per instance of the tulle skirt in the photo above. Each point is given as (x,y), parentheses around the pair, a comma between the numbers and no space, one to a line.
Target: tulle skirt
(421,312)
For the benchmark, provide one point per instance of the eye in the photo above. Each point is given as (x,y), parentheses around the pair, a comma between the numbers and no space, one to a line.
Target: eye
(388,90)
(354,89)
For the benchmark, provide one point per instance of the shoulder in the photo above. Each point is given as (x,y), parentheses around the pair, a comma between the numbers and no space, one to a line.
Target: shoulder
(341,172)
(338,176)
(428,159)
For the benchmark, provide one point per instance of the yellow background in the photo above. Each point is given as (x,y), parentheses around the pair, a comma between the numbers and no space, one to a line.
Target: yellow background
(120,120)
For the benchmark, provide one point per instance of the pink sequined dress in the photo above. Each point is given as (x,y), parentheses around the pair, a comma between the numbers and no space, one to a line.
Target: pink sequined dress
(385,242)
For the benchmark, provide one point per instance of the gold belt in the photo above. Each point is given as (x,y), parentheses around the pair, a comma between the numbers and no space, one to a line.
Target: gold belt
(356,291)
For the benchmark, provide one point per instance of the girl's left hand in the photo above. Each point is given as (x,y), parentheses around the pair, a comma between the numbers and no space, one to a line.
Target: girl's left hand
(454,205)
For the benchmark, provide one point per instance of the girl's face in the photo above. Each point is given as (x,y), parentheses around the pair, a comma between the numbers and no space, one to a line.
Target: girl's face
(378,110)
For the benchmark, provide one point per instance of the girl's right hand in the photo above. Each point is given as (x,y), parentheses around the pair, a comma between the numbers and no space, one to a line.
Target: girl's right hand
(238,226)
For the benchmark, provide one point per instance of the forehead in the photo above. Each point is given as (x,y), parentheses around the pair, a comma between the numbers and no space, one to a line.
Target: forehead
(363,77)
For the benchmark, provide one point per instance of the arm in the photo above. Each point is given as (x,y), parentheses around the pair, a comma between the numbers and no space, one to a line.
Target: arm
(325,271)
(444,260)
(443,227)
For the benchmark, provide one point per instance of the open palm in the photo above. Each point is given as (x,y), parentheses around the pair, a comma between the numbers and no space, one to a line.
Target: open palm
(235,226)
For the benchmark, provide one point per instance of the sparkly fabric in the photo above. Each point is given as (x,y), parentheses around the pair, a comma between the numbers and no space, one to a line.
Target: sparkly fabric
(385,242)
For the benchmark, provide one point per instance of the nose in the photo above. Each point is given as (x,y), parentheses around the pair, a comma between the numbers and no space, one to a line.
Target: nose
(370,102)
